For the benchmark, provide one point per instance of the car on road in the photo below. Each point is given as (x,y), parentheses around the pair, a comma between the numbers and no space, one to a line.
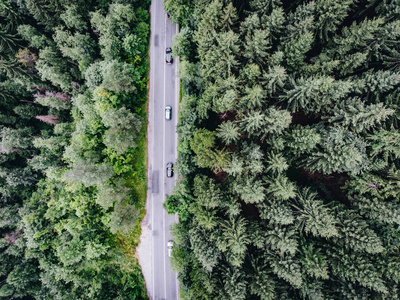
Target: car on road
(168,111)
(170,171)
(170,245)
(168,56)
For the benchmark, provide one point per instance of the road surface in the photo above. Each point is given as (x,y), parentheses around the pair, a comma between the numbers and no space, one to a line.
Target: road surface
(161,282)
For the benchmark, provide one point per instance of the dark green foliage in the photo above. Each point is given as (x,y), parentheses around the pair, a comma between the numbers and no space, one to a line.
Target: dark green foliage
(302,98)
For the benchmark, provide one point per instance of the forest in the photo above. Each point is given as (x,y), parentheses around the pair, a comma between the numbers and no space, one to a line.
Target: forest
(73,98)
(289,149)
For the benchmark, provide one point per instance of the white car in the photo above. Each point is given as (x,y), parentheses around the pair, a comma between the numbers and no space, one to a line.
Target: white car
(170,245)
(168,112)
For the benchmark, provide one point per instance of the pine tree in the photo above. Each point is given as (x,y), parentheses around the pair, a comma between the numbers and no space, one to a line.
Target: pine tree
(276,211)
(261,283)
(342,152)
(329,16)
(233,240)
(252,122)
(356,234)
(257,46)
(276,163)
(285,267)
(250,189)
(385,144)
(206,253)
(302,139)
(356,268)
(313,216)
(313,261)
(280,187)
(354,115)
(228,132)
(274,79)
(235,284)
(282,240)
(254,97)
(296,49)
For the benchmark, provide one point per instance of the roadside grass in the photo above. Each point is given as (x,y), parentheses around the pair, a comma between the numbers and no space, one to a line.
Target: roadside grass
(138,183)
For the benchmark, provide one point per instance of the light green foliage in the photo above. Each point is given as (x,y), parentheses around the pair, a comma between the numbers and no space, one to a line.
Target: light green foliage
(313,216)
(207,192)
(88,173)
(353,114)
(302,139)
(204,251)
(296,49)
(276,163)
(287,269)
(73,19)
(274,79)
(235,166)
(342,151)
(233,240)
(356,235)
(228,132)
(329,15)
(226,102)
(182,43)
(79,47)
(54,102)
(119,77)
(257,46)
(313,261)
(385,143)
(356,268)
(316,94)
(123,132)
(301,20)
(254,97)
(123,218)
(276,211)
(234,283)
(51,66)
(202,145)
(115,25)
(35,38)
(281,187)
(249,189)
(109,193)
(281,240)
(15,139)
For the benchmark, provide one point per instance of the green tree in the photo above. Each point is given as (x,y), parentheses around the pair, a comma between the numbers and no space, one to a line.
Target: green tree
(358,117)
(88,173)
(342,152)
(313,216)
(228,132)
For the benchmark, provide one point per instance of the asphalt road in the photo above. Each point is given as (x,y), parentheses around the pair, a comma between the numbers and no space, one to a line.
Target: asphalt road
(162,283)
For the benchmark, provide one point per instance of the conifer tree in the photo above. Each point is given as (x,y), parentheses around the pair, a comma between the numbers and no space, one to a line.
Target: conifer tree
(354,115)
(313,216)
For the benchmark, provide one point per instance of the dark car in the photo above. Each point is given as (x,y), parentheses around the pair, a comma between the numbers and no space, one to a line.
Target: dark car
(168,111)
(168,55)
(170,171)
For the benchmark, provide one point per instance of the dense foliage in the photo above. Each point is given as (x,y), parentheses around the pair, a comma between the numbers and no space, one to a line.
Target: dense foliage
(289,149)
(73,90)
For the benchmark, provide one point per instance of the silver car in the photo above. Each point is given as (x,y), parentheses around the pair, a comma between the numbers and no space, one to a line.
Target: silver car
(170,245)
(170,171)
(168,111)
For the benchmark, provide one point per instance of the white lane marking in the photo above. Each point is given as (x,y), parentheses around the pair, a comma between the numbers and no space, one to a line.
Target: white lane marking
(164,163)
